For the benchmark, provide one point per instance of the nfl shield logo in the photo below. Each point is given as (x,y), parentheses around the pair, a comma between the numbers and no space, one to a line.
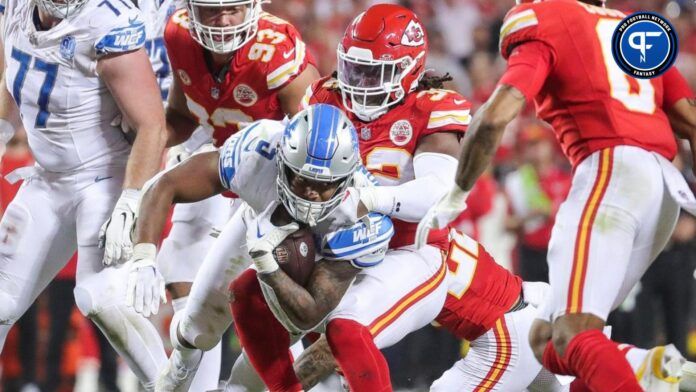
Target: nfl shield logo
(365,133)
(215,92)
(67,47)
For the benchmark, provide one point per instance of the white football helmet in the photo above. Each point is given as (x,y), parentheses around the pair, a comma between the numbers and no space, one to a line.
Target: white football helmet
(226,39)
(60,9)
(319,144)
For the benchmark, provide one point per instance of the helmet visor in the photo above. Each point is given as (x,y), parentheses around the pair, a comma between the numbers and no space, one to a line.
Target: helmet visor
(370,86)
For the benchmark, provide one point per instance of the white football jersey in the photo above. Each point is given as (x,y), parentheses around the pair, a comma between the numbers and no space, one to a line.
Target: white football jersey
(156,13)
(248,168)
(52,75)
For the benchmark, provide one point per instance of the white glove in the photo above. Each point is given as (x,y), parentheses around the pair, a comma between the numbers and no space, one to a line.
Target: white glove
(176,154)
(145,288)
(120,122)
(115,233)
(441,214)
(263,237)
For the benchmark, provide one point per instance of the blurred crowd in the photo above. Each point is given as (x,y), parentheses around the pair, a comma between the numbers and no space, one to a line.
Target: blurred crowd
(511,210)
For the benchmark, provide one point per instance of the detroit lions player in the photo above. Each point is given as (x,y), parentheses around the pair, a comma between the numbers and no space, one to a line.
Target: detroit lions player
(258,182)
(71,66)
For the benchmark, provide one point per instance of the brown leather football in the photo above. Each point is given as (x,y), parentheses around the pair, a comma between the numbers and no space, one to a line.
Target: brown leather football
(295,255)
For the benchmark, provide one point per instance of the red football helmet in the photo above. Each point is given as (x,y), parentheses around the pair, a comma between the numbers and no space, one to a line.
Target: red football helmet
(381,58)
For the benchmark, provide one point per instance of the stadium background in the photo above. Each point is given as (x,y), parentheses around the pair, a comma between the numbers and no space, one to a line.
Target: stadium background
(55,348)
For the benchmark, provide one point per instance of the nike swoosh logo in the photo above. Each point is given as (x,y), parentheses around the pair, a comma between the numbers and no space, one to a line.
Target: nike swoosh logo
(459,101)
(286,55)
(258,231)
(97,178)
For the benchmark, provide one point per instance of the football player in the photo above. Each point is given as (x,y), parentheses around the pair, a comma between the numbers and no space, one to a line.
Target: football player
(71,67)
(409,139)
(233,64)
(616,132)
(307,166)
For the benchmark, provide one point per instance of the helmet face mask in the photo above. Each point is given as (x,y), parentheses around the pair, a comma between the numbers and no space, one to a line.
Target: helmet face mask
(303,210)
(223,39)
(381,59)
(60,9)
(323,158)
(370,87)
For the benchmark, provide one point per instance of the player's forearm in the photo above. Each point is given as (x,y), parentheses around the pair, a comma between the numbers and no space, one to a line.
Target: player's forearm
(299,305)
(179,127)
(485,132)
(153,211)
(315,364)
(478,149)
(408,201)
(191,181)
(146,155)
(682,118)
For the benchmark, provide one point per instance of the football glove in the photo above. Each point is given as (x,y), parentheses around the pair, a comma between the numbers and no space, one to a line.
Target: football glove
(263,237)
(450,206)
(115,233)
(145,290)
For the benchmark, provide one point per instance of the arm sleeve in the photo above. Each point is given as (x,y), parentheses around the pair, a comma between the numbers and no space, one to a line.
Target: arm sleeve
(127,35)
(675,88)
(364,244)
(434,172)
(528,67)
(230,156)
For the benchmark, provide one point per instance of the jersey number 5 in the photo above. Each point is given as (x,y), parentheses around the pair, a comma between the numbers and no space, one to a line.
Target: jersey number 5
(642,101)
(50,69)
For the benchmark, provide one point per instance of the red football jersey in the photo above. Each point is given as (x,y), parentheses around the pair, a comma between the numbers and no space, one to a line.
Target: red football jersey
(388,143)
(480,290)
(559,54)
(249,91)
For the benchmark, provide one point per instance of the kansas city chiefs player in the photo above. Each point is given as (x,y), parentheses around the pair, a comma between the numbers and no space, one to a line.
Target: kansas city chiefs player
(409,137)
(617,132)
(232,64)
(408,134)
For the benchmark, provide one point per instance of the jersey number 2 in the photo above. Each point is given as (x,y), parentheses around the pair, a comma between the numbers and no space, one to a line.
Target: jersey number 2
(644,100)
(50,69)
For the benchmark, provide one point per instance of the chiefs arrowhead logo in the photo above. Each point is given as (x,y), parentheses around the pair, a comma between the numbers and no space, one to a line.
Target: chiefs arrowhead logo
(413,35)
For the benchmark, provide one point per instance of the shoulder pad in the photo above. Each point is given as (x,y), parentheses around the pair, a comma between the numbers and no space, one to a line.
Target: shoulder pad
(279,46)
(520,25)
(320,91)
(364,244)
(446,109)
(122,39)
(256,139)
(178,21)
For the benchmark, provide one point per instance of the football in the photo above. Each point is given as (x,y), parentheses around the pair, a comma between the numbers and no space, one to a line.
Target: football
(295,255)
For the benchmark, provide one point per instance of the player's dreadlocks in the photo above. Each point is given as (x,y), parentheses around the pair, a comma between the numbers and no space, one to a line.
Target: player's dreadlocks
(434,81)
(426,82)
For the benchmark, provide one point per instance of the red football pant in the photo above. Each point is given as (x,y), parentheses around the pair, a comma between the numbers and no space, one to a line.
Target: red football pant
(265,341)
(361,362)
(595,360)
